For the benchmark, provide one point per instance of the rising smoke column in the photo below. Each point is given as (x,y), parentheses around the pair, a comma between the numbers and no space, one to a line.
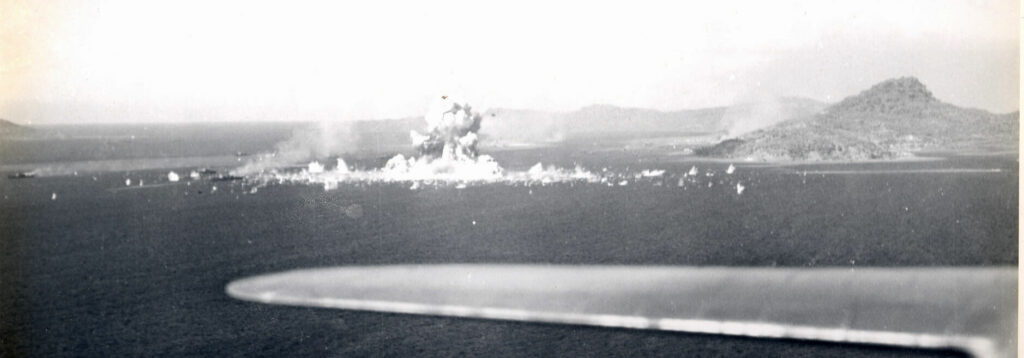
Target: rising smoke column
(451,131)
(447,153)
(319,140)
(448,150)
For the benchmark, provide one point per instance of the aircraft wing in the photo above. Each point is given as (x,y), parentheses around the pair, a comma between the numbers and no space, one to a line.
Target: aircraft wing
(973,309)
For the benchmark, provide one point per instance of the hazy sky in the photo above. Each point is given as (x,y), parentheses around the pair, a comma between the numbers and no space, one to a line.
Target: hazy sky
(122,61)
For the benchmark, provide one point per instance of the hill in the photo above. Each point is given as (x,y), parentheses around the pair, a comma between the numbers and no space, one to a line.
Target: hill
(891,119)
(515,127)
(10,129)
(519,125)
(607,120)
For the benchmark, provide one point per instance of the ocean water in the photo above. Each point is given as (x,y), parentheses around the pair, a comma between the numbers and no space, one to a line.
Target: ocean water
(105,269)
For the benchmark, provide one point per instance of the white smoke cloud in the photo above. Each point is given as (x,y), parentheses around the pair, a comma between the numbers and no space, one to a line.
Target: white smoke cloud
(447,156)
(753,113)
(451,131)
(447,153)
(433,172)
(319,140)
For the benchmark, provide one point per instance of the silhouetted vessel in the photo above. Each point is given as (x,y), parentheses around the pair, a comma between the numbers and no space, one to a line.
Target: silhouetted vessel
(21,175)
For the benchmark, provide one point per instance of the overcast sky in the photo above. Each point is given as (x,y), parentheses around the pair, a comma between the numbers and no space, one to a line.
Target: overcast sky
(167,61)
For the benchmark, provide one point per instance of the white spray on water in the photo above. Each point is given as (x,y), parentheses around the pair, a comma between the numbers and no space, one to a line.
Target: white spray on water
(321,139)
(447,155)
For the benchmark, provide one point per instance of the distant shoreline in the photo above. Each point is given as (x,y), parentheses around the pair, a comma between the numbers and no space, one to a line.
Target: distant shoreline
(785,163)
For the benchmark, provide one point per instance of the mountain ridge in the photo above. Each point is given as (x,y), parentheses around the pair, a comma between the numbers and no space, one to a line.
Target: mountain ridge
(609,119)
(11,129)
(526,125)
(892,119)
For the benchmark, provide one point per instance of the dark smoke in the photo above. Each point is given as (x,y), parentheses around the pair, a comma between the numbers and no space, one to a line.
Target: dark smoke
(451,132)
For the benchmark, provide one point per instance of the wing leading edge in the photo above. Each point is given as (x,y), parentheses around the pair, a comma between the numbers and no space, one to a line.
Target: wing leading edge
(968,308)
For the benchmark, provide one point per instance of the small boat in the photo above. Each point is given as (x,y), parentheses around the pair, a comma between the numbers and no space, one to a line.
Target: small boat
(226,177)
(21,175)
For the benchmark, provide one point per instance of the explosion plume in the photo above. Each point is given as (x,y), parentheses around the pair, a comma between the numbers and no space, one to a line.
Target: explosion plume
(448,150)
(451,131)
(447,155)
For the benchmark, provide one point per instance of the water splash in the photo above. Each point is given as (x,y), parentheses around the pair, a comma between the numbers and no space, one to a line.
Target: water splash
(447,155)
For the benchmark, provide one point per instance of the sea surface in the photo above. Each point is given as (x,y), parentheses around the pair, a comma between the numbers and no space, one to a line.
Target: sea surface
(90,266)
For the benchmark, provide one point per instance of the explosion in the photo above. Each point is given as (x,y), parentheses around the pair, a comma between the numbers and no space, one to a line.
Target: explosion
(451,131)
(447,155)
(448,150)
